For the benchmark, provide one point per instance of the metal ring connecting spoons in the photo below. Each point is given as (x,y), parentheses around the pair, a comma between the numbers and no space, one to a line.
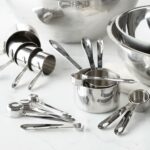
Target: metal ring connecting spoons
(62,51)
(77,126)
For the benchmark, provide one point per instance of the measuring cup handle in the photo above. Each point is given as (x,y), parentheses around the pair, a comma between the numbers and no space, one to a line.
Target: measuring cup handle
(105,123)
(34,80)
(19,76)
(100,47)
(124,121)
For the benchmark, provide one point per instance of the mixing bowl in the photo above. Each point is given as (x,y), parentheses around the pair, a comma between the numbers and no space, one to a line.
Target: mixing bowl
(69,20)
(132,36)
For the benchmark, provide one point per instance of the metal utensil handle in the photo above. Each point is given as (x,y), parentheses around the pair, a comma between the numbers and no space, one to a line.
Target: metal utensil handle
(62,51)
(48,109)
(50,126)
(5,65)
(109,120)
(89,51)
(109,79)
(100,47)
(19,76)
(44,117)
(32,83)
(124,121)
(49,106)
(39,126)
(74,63)
(44,112)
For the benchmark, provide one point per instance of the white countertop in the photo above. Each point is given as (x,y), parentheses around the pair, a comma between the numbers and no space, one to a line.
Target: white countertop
(57,90)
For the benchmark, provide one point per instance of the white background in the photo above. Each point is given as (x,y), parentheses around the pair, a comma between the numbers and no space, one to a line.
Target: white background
(57,90)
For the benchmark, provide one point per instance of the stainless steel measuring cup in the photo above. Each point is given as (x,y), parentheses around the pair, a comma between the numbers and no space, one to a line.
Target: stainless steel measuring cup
(139,100)
(96,100)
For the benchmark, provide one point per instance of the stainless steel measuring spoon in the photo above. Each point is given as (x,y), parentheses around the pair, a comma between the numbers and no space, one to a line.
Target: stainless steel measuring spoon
(87,45)
(139,100)
(77,126)
(16,110)
(62,51)
(34,98)
(28,106)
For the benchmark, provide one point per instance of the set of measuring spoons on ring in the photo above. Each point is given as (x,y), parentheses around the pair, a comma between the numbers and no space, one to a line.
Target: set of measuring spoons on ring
(36,108)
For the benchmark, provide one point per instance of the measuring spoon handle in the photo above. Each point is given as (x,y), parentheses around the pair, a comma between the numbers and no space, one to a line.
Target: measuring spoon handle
(62,51)
(124,121)
(109,120)
(39,126)
(100,47)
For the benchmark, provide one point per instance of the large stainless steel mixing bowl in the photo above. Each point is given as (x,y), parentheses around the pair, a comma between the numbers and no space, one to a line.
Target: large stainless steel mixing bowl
(69,20)
(136,58)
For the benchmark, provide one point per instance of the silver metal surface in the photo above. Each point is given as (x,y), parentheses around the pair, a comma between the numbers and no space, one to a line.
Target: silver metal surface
(136,58)
(19,76)
(28,106)
(100,47)
(46,15)
(97,100)
(139,100)
(19,38)
(87,46)
(34,98)
(77,126)
(98,77)
(17,109)
(81,18)
(62,51)
(44,63)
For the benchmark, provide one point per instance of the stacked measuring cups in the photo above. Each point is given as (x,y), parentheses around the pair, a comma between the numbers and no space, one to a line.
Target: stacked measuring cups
(97,88)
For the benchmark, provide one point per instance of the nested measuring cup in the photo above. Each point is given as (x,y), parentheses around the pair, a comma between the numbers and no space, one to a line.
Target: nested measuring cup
(103,99)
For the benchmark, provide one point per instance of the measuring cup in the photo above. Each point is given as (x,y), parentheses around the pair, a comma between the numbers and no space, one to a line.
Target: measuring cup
(138,101)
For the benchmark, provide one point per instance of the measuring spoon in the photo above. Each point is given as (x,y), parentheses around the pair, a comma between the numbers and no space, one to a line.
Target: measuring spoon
(77,126)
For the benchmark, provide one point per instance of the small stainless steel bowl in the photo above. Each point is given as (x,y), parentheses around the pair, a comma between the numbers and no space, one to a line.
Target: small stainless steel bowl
(137,60)
(130,26)
(96,100)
